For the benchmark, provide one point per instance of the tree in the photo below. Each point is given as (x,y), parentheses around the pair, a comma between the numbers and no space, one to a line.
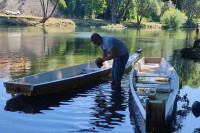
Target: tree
(45,9)
(93,8)
(173,18)
(146,8)
(75,8)
(62,7)
(191,9)
(166,6)
(119,8)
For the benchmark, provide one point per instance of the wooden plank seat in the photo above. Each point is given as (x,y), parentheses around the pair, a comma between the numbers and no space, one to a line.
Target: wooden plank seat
(153,75)
(159,86)
(153,82)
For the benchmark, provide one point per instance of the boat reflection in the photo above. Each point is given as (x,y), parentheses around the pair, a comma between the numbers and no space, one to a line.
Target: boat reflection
(108,110)
(37,104)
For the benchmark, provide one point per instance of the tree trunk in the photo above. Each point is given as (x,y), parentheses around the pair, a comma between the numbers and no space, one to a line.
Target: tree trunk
(122,12)
(45,10)
(139,19)
(113,18)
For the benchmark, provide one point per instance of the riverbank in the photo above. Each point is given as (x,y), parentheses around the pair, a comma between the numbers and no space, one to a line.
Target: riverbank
(107,24)
(25,20)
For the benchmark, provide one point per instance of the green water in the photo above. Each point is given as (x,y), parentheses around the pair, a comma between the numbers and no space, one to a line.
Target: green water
(30,50)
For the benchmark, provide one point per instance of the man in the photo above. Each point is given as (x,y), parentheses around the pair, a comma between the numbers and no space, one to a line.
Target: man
(112,48)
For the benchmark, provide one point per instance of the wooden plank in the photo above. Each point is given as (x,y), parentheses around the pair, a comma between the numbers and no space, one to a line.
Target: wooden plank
(152,82)
(155,116)
(152,75)
(152,60)
(152,86)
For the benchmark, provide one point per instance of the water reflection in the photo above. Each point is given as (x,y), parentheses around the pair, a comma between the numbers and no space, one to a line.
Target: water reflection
(38,50)
(188,71)
(37,104)
(108,110)
(135,115)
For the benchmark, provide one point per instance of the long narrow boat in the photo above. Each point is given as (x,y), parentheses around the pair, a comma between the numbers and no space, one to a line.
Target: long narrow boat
(154,85)
(64,79)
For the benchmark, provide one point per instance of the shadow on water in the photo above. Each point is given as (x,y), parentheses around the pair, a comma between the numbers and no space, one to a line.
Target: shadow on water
(36,104)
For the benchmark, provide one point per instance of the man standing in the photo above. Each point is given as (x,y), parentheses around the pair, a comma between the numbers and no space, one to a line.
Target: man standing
(112,48)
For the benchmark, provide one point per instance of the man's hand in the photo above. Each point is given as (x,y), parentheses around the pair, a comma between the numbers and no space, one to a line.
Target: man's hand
(99,60)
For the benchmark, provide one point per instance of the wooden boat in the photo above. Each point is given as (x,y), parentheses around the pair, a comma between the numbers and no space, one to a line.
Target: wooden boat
(154,85)
(63,79)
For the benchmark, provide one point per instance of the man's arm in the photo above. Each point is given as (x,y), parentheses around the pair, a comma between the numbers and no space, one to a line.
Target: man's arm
(113,54)
(104,54)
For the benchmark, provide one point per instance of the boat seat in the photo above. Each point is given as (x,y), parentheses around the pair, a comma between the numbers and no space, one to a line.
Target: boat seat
(157,86)
(152,75)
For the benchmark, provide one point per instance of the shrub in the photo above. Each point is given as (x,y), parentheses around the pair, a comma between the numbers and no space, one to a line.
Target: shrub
(173,18)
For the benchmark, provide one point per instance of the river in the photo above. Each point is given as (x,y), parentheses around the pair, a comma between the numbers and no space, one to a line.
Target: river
(97,108)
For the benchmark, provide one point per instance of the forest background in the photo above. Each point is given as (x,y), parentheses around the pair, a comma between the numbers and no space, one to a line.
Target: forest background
(171,13)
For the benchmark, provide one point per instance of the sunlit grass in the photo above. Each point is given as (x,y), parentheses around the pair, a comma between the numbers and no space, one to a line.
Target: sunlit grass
(33,20)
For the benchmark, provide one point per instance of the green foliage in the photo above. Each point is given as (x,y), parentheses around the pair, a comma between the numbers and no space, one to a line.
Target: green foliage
(62,7)
(130,14)
(173,18)
(71,7)
(93,8)
(75,8)
(124,10)
(147,8)
(191,9)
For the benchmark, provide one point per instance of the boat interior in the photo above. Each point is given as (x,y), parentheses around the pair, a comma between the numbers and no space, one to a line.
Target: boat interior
(153,79)
(63,73)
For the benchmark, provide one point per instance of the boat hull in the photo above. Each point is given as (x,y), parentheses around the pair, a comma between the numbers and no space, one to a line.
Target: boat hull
(64,79)
(156,112)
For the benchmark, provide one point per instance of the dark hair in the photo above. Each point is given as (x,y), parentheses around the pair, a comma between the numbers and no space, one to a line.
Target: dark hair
(94,37)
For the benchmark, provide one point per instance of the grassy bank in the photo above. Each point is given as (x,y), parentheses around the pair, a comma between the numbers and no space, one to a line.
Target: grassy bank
(25,20)
(107,24)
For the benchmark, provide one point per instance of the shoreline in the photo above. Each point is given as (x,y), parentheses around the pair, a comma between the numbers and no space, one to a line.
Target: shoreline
(26,20)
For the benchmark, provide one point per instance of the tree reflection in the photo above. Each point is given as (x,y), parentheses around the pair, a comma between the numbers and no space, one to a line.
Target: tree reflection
(187,70)
(182,113)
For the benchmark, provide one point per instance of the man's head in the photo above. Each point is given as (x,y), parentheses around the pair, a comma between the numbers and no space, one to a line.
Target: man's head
(96,39)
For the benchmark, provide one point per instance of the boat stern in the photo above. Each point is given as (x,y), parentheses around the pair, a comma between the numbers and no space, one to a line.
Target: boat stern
(18,88)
